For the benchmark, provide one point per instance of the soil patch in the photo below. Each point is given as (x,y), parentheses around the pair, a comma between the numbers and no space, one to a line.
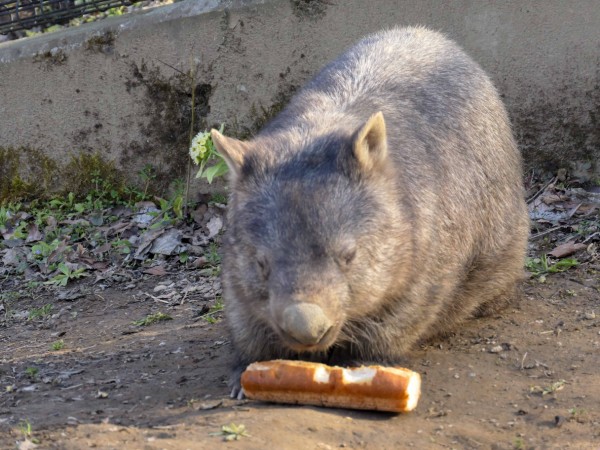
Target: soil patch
(115,385)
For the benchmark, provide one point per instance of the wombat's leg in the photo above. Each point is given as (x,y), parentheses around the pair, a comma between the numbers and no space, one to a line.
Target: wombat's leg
(490,286)
(497,303)
(234,382)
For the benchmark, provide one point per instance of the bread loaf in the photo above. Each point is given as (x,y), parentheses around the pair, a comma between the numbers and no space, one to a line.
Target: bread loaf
(377,388)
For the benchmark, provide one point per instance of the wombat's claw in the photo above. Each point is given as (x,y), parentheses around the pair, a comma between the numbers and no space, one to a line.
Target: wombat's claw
(237,393)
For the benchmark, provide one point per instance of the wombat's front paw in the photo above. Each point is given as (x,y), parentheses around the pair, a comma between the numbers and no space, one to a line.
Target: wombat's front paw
(235,382)
(237,392)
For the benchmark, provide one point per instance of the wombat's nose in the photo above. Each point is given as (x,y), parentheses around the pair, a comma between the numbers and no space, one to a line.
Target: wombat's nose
(305,322)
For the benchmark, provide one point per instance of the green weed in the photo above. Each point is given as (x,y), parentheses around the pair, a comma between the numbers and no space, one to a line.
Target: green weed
(4,215)
(147,175)
(550,389)
(519,443)
(66,275)
(41,251)
(123,246)
(151,319)
(232,432)
(216,308)
(219,198)
(38,313)
(578,415)
(213,257)
(8,296)
(26,431)
(32,372)
(58,345)
(543,265)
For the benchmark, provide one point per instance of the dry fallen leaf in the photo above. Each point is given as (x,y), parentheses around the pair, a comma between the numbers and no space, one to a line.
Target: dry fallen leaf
(103,248)
(566,249)
(33,233)
(158,271)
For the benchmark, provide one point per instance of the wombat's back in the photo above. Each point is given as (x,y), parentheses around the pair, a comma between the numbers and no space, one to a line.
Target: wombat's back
(448,133)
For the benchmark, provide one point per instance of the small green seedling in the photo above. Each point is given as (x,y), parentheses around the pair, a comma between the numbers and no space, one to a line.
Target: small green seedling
(184,257)
(219,198)
(38,313)
(4,216)
(542,266)
(123,246)
(66,275)
(551,389)
(152,318)
(578,415)
(232,432)
(32,372)
(58,345)
(210,315)
(213,257)
(27,431)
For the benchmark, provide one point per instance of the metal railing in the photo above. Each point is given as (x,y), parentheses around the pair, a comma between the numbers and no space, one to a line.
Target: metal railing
(24,14)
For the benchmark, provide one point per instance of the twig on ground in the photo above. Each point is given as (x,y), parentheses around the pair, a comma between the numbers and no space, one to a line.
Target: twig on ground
(541,191)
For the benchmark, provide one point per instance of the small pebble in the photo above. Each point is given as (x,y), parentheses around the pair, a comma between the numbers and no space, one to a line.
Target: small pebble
(496,349)
(559,421)
(589,316)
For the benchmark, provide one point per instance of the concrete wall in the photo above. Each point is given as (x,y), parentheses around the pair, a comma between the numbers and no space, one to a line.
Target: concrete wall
(120,86)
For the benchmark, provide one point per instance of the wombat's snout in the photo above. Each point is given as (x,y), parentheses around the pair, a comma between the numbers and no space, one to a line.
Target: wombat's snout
(306,323)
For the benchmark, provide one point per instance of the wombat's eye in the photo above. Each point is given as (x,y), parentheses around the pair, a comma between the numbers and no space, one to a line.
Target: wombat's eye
(263,266)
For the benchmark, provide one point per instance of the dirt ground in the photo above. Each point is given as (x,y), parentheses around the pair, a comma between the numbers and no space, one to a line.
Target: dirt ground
(81,366)
(525,378)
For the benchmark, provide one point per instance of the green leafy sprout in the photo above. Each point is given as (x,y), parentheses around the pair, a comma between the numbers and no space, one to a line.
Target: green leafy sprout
(150,319)
(542,265)
(58,345)
(232,432)
(65,275)
(550,389)
(37,313)
(216,308)
(31,372)
(27,431)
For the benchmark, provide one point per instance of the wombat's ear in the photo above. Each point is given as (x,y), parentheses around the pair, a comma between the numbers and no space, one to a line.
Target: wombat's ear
(370,143)
(232,150)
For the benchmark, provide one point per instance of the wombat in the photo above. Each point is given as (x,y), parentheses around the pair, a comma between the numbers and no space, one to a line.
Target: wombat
(384,205)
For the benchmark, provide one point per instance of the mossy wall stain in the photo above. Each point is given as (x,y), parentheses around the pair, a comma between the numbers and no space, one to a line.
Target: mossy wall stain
(51,58)
(167,120)
(548,122)
(86,171)
(261,114)
(27,173)
(231,43)
(102,43)
(310,9)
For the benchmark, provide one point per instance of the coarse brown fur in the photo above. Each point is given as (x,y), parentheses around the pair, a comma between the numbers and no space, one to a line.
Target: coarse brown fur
(388,193)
